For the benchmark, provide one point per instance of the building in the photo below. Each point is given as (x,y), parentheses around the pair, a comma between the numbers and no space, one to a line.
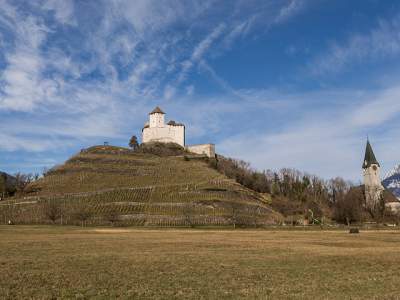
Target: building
(374,191)
(372,179)
(155,130)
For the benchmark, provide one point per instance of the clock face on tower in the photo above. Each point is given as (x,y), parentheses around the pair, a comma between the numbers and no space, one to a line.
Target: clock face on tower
(374,168)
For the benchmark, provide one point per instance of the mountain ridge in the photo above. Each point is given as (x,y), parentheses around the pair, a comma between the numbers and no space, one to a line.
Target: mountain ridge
(391,181)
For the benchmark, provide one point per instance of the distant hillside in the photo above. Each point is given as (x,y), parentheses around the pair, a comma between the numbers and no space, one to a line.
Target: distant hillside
(392,181)
(111,185)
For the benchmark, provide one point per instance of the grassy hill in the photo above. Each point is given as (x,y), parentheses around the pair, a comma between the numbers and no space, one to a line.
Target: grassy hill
(106,185)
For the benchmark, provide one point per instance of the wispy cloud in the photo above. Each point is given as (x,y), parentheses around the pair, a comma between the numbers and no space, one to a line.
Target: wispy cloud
(326,141)
(289,10)
(382,42)
(199,50)
(63,11)
(23,85)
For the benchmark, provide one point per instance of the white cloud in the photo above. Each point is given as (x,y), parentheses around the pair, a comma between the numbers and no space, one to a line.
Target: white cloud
(23,85)
(152,16)
(381,42)
(288,11)
(15,142)
(384,107)
(328,142)
(200,50)
(63,10)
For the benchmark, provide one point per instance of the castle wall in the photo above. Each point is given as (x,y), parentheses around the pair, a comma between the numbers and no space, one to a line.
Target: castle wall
(205,149)
(166,134)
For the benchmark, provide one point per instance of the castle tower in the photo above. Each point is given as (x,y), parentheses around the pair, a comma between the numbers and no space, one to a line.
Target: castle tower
(157,118)
(372,180)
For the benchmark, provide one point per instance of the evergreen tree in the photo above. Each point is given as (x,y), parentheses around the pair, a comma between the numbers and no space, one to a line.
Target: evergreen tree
(133,142)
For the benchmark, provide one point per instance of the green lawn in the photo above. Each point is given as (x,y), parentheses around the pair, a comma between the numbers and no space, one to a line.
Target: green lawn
(71,262)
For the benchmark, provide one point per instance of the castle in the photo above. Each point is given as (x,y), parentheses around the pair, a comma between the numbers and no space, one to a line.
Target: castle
(155,130)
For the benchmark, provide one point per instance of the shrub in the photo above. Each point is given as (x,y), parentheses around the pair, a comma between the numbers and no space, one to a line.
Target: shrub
(354,230)
(52,211)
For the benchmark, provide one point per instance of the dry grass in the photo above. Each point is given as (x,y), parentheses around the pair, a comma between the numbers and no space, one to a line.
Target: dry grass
(70,262)
(141,189)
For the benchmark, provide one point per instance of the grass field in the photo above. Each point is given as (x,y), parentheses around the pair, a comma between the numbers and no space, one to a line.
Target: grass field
(70,262)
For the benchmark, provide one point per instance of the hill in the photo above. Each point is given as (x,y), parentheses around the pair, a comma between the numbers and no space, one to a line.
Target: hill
(105,185)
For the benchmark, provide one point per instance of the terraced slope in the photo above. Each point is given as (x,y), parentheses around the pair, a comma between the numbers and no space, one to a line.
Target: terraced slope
(105,184)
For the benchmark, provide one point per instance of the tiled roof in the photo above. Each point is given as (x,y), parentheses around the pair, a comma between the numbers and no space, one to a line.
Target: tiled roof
(157,110)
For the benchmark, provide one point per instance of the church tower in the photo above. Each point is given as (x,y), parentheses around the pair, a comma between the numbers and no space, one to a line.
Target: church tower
(372,180)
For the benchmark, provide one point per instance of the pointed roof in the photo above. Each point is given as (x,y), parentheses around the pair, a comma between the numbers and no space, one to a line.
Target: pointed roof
(157,110)
(369,158)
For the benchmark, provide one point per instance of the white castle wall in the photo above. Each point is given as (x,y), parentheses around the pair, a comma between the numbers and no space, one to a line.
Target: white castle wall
(206,149)
(167,134)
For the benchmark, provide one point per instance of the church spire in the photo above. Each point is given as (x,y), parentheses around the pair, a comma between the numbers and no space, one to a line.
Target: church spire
(369,158)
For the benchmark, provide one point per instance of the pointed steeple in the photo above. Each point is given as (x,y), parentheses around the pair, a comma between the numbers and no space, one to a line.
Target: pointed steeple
(369,158)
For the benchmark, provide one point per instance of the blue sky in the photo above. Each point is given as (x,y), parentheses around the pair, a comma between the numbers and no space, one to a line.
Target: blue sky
(280,83)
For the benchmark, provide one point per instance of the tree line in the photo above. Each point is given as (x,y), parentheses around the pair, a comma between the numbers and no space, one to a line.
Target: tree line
(15,185)
(297,193)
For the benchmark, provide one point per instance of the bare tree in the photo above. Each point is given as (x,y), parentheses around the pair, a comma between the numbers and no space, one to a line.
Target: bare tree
(338,188)
(52,211)
(21,181)
(349,208)
(82,214)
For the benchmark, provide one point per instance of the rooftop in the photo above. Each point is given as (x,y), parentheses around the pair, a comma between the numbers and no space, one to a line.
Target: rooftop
(157,110)
(369,158)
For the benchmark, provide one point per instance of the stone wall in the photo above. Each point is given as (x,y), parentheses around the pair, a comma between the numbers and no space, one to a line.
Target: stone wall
(206,149)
